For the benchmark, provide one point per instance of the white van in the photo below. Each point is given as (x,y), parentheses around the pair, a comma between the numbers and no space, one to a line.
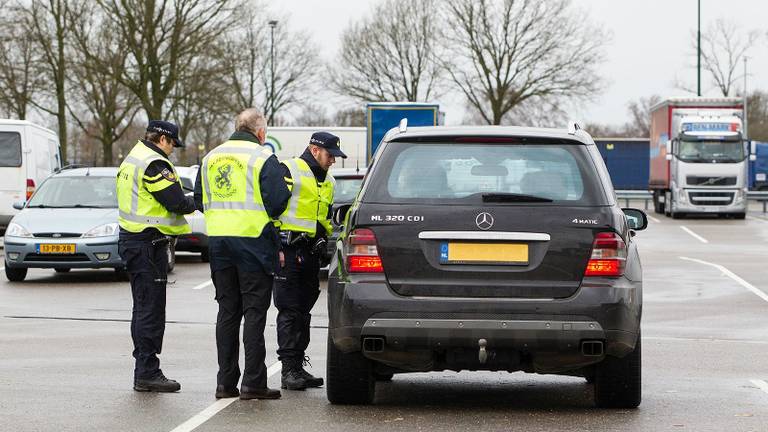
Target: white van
(28,154)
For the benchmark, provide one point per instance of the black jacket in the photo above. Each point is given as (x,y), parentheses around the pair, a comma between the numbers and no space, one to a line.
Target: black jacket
(253,254)
(172,197)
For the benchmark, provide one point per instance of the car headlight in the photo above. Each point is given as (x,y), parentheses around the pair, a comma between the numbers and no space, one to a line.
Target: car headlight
(16,230)
(105,230)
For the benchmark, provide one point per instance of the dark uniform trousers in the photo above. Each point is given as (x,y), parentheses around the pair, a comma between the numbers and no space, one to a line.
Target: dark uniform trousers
(242,294)
(296,291)
(147,265)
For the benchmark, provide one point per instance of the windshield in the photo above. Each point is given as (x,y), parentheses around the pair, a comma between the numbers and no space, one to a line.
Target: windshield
(346,189)
(80,191)
(501,173)
(710,151)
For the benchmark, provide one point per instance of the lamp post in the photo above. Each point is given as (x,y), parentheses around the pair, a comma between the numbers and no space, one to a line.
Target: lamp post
(698,54)
(746,100)
(272,25)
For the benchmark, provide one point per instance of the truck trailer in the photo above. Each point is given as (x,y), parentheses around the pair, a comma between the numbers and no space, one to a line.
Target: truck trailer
(698,157)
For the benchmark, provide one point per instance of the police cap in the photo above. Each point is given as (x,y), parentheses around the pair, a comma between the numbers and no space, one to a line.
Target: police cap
(329,142)
(166,128)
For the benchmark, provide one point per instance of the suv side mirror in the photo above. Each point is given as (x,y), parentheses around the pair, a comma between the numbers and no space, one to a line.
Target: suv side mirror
(18,205)
(340,214)
(636,219)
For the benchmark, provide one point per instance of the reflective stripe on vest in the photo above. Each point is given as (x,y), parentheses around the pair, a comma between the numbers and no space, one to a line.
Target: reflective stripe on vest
(143,210)
(228,212)
(313,197)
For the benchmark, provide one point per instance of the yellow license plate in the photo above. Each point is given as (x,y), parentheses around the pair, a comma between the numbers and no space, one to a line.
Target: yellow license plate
(56,248)
(485,253)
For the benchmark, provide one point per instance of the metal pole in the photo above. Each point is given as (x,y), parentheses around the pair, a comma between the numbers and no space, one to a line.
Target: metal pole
(698,49)
(746,100)
(272,25)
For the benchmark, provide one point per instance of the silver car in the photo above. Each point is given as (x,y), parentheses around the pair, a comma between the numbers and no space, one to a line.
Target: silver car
(70,222)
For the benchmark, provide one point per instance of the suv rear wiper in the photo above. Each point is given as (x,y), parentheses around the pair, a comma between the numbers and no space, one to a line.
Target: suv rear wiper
(513,197)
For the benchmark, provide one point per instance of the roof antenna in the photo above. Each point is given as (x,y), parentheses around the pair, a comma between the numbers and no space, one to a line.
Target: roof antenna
(403,125)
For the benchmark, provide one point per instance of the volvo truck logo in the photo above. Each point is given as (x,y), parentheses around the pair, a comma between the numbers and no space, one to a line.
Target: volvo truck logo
(484,221)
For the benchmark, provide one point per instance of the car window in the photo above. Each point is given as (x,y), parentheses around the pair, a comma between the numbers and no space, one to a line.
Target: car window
(346,189)
(10,149)
(86,191)
(187,184)
(466,172)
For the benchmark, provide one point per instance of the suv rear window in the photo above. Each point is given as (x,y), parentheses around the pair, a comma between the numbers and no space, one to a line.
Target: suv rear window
(10,149)
(463,173)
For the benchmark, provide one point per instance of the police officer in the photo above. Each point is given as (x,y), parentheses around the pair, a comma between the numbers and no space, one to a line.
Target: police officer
(241,190)
(151,206)
(305,226)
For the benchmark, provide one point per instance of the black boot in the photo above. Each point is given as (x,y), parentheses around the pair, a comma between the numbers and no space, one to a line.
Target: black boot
(291,376)
(312,381)
(159,384)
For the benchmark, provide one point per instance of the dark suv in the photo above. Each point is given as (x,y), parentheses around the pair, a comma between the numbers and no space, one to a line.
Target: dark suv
(486,248)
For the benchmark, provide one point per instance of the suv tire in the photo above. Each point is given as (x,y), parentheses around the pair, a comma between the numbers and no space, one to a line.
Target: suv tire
(350,377)
(15,274)
(618,380)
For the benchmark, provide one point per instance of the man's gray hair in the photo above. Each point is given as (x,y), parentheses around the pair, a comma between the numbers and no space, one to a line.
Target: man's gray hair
(250,120)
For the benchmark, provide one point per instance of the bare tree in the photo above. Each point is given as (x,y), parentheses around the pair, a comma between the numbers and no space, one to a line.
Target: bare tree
(109,107)
(259,83)
(313,114)
(19,80)
(46,21)
(509,51)
(391,54)
(349,117)
(162,39)
(757,110)
(640,115)
(723,47)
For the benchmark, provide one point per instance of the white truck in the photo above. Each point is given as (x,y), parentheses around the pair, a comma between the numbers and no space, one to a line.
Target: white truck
(289,142)
(28,155)
(698,157)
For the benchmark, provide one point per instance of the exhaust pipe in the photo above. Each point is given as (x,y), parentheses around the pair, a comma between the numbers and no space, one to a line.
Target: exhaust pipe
(373,344)
(592,348)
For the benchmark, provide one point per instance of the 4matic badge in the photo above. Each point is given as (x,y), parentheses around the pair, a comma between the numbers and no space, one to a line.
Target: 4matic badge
(585,221)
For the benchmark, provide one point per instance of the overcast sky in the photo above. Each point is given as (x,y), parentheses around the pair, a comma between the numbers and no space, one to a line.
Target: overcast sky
(648,51)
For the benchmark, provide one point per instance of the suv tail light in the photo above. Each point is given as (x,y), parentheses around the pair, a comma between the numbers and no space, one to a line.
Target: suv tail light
(609,255)
(362,254)
(30,188)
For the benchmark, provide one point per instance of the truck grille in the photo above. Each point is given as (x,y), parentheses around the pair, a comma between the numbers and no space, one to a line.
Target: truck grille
(711,198)
(710,181)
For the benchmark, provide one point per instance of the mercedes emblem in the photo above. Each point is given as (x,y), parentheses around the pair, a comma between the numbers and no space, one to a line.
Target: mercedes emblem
(484,221)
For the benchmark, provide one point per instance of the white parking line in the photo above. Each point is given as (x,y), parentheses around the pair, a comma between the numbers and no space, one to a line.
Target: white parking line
(696,236)
(733,276)
(204,415)
(203,285)
(653,219)
(761,384)
(757,219)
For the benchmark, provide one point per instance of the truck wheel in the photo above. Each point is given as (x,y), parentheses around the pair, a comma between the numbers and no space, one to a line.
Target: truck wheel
(740,216)
(617,380)
(658,207)
(668,204)
(15,274)
(350,377)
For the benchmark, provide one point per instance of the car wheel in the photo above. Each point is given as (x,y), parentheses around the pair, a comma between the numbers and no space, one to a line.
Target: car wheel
(15,274)
(62,270)
(171,255)
(350,377)
(678,215)
(740,216)
(618,380)
(205,255)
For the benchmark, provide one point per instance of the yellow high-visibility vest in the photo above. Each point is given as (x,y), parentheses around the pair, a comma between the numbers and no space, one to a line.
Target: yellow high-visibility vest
(310,200)
(231,190)
(138,208)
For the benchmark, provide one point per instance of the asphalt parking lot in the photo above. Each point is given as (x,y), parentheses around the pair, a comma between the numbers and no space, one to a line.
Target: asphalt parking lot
(66,365)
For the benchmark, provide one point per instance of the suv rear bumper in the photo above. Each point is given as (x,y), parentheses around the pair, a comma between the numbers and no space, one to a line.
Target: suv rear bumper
(426,333)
